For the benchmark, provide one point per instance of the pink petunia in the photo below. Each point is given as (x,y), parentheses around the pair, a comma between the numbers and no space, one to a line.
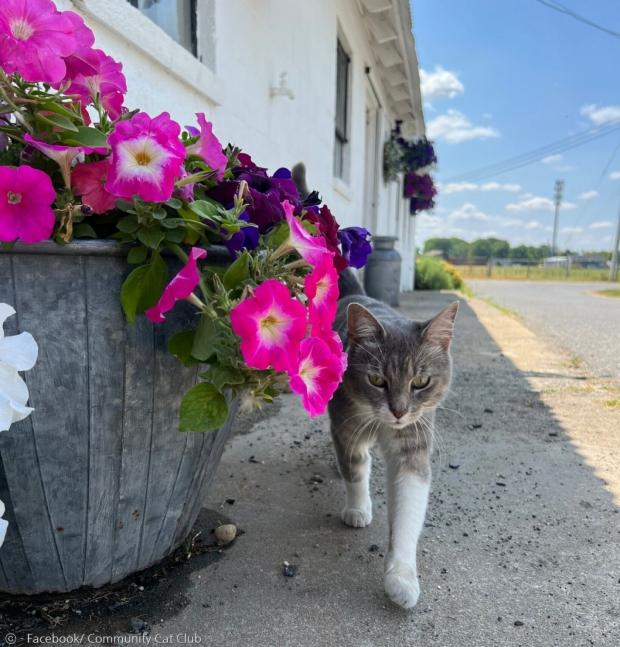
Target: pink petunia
(271,324)
(208,147)
(147,157)
(26,196)
(181,287)
(316,376)
(93,74)
(321,288)
(333,341)
(64,156)
(88,181)
(35,38)
(311,248)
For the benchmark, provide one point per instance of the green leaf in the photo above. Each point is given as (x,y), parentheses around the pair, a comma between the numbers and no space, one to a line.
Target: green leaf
(204,209)
(203,408)
(238,272)
(174,203)
(137,255)
(159,213)
(151,237)
(221,376)
(124,205)
(58,121)
(175,235)
(128,224)
(277,235)
(191,236)
(180,346)
(143,287)
(59,109)
(86,136)
(204,339)
(84,230)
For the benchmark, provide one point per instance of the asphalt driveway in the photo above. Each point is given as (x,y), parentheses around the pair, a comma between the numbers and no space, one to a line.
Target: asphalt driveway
(569,314)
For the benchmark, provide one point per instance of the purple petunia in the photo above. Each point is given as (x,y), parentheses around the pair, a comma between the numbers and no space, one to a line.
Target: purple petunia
(356,246)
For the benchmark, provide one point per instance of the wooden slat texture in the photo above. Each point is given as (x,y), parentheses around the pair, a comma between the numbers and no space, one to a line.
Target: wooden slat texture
(98,482)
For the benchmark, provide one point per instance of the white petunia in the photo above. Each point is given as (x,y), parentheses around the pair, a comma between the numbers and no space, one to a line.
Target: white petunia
(3,524)
(17,353)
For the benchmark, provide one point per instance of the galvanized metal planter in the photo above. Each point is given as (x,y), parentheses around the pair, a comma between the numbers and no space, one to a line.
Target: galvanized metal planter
(382,272)
(98,482)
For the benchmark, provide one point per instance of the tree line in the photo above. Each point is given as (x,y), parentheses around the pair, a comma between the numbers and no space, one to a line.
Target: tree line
(457,248)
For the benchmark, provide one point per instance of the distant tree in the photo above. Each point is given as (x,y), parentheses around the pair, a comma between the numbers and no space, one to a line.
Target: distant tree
(521,251)
(490,248)
(449,247)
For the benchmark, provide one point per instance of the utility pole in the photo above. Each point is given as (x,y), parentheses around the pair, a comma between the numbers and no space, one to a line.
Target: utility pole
(557,198)
(613,270)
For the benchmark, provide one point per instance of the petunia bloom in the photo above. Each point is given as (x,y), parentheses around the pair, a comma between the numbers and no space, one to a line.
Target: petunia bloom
(64,156)
(26,196)
(356,246)
(88,181)
(17,353)
(311,248)
(321,288)
(209,148)
(181,287)
(35,38)
(316,376)
(93,74)
(271,325)
(147,157)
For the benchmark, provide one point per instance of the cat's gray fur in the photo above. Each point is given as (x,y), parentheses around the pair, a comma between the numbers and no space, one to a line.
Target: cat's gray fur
(399,419)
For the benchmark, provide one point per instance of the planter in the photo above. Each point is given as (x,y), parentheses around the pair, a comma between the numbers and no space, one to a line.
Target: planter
(98,483)
(382,273)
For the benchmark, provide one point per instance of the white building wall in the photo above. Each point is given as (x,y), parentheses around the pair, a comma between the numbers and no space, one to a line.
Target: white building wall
(254,42)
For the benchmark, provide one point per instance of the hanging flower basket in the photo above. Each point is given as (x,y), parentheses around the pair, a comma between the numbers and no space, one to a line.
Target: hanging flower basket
(420,189)
(232,295)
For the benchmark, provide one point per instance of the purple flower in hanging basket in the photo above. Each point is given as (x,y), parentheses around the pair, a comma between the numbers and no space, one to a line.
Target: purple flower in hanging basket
(419,186)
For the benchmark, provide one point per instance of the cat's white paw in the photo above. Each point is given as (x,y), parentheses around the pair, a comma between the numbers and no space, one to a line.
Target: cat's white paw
(402,586)
(357,517)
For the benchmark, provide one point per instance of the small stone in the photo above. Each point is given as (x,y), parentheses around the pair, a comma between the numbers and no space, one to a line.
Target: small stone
(487,410)
(453,466)
(289,570)
(553,433)
(500,484)
(518,623)
(316,478)
(230,501)
(253,459)
(225,533)
(476,425)
(373,548)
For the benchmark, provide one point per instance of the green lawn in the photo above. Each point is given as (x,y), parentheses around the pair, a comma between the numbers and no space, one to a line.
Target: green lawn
(532,273)
(609,293)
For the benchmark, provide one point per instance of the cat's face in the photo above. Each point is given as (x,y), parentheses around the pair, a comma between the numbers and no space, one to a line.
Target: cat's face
(399,369)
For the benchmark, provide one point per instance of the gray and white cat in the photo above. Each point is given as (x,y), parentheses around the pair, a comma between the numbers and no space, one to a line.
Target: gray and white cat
(398,372)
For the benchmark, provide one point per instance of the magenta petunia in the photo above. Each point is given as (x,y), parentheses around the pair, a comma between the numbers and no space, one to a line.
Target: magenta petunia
(321,288)
(271,325)
(311,248)
(35,38)
(147,157)
(208,147)
(91,73)
(88,181)
(181,287)
(64,156)
(26,196)
(316,376)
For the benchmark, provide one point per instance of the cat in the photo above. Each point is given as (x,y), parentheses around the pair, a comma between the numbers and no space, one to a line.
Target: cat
(398,372)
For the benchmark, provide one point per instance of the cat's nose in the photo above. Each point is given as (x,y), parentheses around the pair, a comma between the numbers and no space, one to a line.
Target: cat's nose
(398,413)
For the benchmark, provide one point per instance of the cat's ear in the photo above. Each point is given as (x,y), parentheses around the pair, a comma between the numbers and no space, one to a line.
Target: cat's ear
(362,324)
(439,329)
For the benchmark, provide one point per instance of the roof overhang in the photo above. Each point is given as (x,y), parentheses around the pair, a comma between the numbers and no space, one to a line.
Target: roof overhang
(390,32)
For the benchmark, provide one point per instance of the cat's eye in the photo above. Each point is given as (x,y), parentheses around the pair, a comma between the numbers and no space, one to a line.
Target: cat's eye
(376,380)
(420,382)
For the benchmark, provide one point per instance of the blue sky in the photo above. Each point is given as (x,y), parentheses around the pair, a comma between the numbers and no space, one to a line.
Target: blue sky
(503,77)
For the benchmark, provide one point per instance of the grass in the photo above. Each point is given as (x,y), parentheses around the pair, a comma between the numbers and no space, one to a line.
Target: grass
(613,404)
(533,273)
(509,312)
(615,293)
(574,362)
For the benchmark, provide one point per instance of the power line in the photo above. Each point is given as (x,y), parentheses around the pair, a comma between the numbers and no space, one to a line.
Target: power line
(557,6)
(535,155)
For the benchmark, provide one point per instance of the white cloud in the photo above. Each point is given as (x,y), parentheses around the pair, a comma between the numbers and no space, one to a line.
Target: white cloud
(551,159)
(600,115)
(614,175)
(468,212)
(601,224)
(588,195)
(571,230)
(440,83)
(454,127)
(536,203)
(533,224)
(460,187)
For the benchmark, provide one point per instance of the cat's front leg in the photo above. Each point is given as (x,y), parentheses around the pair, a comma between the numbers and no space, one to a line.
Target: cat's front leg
(408,490)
